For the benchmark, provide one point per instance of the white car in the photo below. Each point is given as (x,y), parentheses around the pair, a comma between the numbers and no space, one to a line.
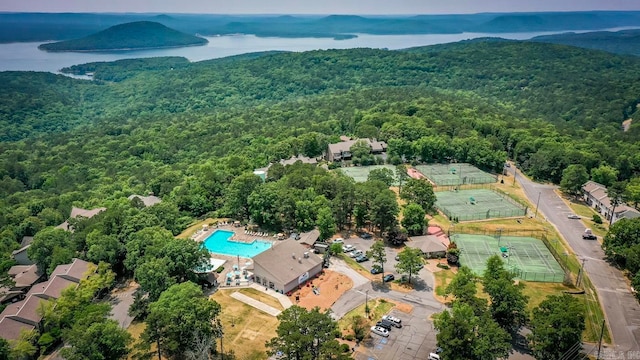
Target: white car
(573,216)
(393,319)
(348,248)
(338,241)
(355,253)
(380,331)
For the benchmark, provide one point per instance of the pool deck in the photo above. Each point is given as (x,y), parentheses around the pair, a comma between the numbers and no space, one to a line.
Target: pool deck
(238,235)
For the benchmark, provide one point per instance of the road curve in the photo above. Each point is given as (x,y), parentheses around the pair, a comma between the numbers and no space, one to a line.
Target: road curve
(620,306)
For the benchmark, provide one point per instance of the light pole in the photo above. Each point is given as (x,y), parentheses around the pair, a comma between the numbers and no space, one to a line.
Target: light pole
(537,203)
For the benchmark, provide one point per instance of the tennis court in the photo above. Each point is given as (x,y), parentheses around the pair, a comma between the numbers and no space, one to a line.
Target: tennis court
(455,174)
(361,173)
(527,257)
(477,204)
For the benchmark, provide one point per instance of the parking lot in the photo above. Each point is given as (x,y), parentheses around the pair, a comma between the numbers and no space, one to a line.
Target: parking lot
(417,338)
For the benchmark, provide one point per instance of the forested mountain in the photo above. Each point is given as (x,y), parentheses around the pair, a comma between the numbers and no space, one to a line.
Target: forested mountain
(129,36)
(44,27)
(620,42)
(185,130)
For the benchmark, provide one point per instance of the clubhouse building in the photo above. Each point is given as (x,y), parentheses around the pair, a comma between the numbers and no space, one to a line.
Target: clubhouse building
(286,266)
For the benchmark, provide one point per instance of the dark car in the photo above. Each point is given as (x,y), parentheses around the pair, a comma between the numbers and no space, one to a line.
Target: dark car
(589,237)
(376,270)
(362,258)
(388,277)
(385,324)
(366,236)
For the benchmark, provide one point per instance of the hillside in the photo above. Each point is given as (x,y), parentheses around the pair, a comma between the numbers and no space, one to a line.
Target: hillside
(16,27)
(129,36)
(620,42)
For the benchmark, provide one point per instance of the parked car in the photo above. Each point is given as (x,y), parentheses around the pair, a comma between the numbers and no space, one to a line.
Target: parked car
(388,277)
(338,241)
(588,235)
(385,324)
(433,356)
(348,248)
(366,236)
(573,216)
(397,258)
(355,253)
(362,258)
(380,331)
(396,322)
(376,270)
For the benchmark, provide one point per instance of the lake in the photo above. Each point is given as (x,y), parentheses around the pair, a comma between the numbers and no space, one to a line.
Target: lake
(27,57)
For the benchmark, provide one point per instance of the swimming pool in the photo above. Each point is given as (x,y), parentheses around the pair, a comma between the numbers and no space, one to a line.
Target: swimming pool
(219,242)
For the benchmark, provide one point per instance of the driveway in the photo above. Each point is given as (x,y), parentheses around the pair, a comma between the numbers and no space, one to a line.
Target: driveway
(121,301)
(620,306)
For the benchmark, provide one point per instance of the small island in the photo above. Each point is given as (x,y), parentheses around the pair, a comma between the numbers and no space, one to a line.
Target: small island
(130,36)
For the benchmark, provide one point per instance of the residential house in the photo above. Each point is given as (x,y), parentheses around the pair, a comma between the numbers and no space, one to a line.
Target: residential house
(286,266)
(595,195)
(146,200)
(20,255)
(24,315)
(79,212)
(342,150)
(24,277)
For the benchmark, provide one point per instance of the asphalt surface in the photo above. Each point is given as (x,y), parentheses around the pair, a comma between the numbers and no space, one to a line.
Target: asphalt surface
(620,306)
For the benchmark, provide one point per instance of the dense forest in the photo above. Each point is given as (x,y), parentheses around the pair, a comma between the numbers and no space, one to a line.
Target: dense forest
(16,27)
(135,35)
(192,133)
(619,42)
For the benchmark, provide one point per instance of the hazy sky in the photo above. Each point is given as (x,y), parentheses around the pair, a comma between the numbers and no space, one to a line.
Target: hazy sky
(315,6)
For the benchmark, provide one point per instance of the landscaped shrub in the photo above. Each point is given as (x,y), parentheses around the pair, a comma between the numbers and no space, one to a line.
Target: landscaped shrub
(345,348)
(443,266)
(220,269)
(597,219)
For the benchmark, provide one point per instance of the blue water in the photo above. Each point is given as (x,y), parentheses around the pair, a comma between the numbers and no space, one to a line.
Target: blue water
(219,242)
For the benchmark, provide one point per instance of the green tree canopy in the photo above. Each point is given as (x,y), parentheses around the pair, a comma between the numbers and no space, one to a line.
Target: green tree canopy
(180,313)
(573,177)
(508,305)
(303,334)
(409,261)
(419,192)
(413,219)
(100,341)
(382,174)
(556,326)
(378,255)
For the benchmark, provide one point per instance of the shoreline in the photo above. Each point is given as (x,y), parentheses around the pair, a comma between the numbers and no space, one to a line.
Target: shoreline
(122,49)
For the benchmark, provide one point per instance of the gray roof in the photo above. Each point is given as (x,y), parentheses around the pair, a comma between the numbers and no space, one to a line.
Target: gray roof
(310,237)
(428,244)
(343,146)
(285,260)
(10,328)
(25,275)
(26,240)
(301,158)
(74,271)
(146,200)
(75,212)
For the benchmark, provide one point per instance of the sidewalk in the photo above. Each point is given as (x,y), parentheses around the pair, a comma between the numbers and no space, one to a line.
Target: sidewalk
(256,304)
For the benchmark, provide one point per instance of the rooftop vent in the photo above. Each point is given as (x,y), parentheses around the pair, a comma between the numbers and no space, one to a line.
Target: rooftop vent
(306,254)
(293,255)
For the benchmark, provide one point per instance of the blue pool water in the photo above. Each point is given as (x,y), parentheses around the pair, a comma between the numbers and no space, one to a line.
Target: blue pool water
(219,242)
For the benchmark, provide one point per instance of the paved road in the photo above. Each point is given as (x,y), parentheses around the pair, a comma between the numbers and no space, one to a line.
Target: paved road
(121,302)
(416,339)
(621,308)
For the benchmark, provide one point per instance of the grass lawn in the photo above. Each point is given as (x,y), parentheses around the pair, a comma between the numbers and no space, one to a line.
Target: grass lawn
(586,212)
(195,227)
(262,297)
(377,308)
(246,329)
(136,329)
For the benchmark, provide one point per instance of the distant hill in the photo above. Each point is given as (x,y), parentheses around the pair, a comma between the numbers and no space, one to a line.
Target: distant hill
(620,42)
(129,36)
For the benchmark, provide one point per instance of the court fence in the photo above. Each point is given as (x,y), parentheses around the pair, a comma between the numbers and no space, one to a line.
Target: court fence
(561,259)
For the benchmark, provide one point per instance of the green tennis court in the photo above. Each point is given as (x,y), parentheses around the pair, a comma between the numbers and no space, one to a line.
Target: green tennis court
(527,257)
(361,173)
(455,174)
(477,204)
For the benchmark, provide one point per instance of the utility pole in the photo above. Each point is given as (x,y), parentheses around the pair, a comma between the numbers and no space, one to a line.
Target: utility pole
(515,173)
(537,203)
(600,341)
(366,303)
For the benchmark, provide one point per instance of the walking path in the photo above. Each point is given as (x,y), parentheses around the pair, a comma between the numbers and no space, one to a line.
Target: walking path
(284,300)
(256,304)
